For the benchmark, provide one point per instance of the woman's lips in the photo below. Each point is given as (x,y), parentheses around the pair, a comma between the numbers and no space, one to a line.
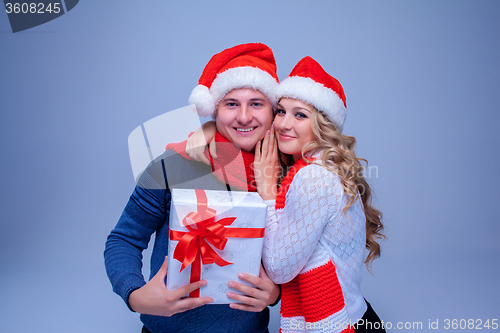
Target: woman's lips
(285,137)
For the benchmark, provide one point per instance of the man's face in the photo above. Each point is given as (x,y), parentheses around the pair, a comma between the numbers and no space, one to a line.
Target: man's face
(243,117)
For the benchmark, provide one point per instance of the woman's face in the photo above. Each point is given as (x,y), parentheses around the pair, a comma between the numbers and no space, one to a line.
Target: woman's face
(293,126)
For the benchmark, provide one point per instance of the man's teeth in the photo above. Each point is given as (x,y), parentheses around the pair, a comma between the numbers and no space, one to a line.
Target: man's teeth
(245,129)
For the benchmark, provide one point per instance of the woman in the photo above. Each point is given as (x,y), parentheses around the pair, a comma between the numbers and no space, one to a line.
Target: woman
(320,220)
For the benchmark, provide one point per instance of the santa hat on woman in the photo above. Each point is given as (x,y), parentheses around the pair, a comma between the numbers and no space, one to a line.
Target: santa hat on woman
(249,65)
(309,83)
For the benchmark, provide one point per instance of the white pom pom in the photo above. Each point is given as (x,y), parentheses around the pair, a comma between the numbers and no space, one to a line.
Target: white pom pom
(201,97)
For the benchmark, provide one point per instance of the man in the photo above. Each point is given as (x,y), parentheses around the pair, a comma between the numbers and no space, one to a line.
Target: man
(237,87)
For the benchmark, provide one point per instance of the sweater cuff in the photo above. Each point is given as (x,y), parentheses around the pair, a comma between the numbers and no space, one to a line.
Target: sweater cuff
(127,297)
(129,285)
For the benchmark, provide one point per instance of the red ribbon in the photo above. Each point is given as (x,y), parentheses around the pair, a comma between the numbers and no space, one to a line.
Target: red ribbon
(194,244)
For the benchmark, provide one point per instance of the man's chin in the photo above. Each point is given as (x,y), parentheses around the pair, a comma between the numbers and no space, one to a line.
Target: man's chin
(245,146)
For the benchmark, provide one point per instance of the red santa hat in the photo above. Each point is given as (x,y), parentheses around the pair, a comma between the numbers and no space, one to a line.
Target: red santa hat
(309,83)
(249,65)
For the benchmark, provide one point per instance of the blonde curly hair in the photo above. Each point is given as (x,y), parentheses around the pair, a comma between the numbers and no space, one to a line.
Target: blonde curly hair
(339,149)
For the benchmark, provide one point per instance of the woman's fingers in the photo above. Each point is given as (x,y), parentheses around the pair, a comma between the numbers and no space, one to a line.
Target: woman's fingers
(272,140)
(257,152)
(265,145)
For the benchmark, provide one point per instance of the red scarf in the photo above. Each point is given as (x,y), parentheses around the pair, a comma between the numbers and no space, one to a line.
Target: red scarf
(226,167)
(285,184)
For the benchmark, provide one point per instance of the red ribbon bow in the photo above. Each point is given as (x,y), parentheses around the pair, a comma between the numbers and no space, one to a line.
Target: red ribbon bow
(194,244)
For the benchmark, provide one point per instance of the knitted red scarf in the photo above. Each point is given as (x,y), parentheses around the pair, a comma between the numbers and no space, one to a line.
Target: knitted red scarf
(285,184)
(226,167)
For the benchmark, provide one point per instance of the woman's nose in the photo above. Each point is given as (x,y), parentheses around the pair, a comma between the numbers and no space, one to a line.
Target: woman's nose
(286,122)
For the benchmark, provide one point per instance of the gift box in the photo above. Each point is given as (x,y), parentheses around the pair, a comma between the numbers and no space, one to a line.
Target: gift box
(214,235)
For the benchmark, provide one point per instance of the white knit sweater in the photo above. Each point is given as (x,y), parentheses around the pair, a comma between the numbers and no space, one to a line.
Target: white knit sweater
(312,229)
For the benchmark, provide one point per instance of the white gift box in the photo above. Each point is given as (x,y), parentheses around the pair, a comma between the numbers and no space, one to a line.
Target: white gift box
(239,255)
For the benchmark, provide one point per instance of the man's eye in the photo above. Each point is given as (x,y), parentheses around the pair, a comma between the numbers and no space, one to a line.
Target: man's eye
(231,104)
(257,104)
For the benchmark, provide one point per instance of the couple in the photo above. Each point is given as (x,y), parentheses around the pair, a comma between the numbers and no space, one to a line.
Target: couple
(318,224)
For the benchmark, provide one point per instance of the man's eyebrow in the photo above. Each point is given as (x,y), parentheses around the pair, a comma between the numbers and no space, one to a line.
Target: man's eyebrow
(236,100)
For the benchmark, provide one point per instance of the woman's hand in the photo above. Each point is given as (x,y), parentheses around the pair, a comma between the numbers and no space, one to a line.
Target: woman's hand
(255,299)
(266,166)
(154,298)
(197,143)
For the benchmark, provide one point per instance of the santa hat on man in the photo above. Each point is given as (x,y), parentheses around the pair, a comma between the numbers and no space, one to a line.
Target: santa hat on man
(249,65)
(309,83)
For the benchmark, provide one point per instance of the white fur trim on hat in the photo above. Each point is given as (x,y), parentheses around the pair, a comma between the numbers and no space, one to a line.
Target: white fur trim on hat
(311,92)
(201,97)
(206,100)
(244,77)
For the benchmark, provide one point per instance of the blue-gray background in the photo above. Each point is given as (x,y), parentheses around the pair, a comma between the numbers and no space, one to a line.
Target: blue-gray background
(421,79)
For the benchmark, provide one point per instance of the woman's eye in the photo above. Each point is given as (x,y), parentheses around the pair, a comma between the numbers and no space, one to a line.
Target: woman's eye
(280,111)
(300,115)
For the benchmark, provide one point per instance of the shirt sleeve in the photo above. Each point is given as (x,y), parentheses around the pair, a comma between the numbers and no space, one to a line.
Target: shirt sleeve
(292,233)
(144,213)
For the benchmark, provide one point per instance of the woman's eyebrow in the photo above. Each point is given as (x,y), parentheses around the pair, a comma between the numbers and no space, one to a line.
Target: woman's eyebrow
(295,108)
(298,108)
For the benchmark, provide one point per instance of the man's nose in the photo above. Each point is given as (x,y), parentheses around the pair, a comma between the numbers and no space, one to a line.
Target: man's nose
(244,115)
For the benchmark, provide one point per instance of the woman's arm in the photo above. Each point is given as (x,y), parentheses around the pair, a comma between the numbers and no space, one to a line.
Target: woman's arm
(197,143)
(292,233)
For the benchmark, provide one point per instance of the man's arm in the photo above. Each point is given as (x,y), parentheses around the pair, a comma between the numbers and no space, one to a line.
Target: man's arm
(145,212)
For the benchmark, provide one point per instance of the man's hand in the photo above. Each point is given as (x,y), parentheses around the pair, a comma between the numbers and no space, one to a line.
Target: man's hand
(154,298)
(256,298)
